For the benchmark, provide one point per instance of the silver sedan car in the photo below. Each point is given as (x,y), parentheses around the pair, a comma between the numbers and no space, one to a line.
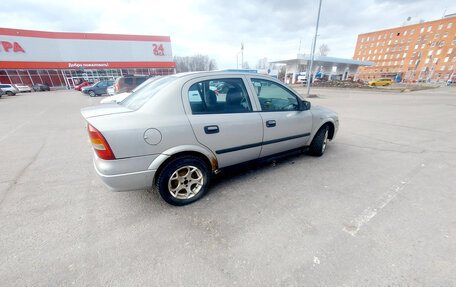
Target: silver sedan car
(179,130)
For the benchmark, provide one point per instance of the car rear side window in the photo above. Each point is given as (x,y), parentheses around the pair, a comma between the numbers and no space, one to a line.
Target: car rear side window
(129,81)
(139,81)
(219,96)
(141,96)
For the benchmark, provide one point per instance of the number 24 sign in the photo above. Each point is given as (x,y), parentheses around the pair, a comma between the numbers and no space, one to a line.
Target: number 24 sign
(158,50)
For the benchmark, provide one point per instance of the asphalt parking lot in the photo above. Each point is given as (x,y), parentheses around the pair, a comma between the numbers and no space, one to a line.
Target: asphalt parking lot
(377,209)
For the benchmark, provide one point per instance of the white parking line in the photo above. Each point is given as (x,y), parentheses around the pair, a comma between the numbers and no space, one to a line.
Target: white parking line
(370,212)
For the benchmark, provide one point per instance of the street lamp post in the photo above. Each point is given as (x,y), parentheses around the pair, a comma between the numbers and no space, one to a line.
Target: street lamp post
(313,51)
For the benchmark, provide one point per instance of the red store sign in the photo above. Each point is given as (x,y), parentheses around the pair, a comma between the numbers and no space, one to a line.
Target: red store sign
(11,47)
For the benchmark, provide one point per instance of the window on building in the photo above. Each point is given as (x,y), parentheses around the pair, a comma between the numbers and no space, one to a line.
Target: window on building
(367,38)
(440,27)
(419,39)
(450,68)
(449,25)
(393,49)
(450,51)
(383,43)
(391,56)
(439,51)
(397,56)
(384,36)
(370,52)
(362,40)
(426,61)
(375,51)
(365,45)
(413,54)
(389,42)
(446,59)
(412,31)
(378,43)
(422,30)
(400,48)
(436,36)
(395,41)
(445,35)
(405,33)
(402,40)
(442,43)
(372,45)
(433,44)
(387,50)
(359,53)
(362,59)
(381,51)
(453,60)
(404,55)
(425,37)
(429,29)
(416,46)
(364,52)
(430,52)
(391,35)
(453,43)
(406,48)
(411,62)
(383,64)
(373,58)
(379,37)
(409,40)
(442,68)
(422,46)
(384,58)
(436,60)
(367,59)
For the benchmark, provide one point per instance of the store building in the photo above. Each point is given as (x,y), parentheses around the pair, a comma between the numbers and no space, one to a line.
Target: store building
(421,52)
(65,59)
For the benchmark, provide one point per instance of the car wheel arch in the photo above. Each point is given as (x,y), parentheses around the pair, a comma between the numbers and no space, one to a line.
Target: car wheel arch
(199,152)
(331,129)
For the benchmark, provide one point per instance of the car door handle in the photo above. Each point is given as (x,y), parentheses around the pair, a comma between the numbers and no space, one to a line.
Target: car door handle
(271,123)
(211,129)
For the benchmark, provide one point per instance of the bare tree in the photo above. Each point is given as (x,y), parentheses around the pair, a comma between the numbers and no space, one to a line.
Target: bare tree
(194,63)
(262,63)
(323,50)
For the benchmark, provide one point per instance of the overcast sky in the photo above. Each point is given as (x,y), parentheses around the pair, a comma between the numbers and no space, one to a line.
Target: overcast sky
(268,28)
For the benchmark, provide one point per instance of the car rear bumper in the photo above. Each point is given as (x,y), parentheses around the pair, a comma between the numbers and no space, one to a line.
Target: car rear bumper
(128,181)
(125,174)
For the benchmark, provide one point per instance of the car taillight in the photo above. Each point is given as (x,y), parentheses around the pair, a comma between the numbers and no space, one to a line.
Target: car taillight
(117,87)
(100,145)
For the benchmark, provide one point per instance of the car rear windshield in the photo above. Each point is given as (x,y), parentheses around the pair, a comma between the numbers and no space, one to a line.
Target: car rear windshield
(141,96)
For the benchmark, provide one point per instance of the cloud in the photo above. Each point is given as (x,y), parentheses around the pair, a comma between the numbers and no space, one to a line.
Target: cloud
(269,28)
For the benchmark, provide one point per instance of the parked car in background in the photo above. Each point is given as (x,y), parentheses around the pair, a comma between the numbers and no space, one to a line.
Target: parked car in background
(83,84)
(41,87)
(110,91)
(1,93)
(128,83)
(175,133)
(381,82)
(9,89)
(98,89)
(23,88)
(117,98)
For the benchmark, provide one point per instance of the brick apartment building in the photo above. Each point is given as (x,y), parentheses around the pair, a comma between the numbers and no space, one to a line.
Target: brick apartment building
(419,52)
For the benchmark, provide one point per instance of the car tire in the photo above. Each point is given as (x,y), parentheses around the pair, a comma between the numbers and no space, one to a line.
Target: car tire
(318,145)
(387,84)
(183,180)
(92,94)
(373,85)
(9,93)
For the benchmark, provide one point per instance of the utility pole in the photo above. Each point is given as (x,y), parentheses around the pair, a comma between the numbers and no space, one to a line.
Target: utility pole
(313,51)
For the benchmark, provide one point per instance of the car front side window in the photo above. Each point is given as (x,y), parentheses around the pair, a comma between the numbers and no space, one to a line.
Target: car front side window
(273,97)
(219,96)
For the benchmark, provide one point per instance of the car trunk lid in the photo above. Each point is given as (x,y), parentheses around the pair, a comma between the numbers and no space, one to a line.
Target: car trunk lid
(102,110)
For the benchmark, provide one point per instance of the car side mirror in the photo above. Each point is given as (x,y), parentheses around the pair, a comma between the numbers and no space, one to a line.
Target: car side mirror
(304,105)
